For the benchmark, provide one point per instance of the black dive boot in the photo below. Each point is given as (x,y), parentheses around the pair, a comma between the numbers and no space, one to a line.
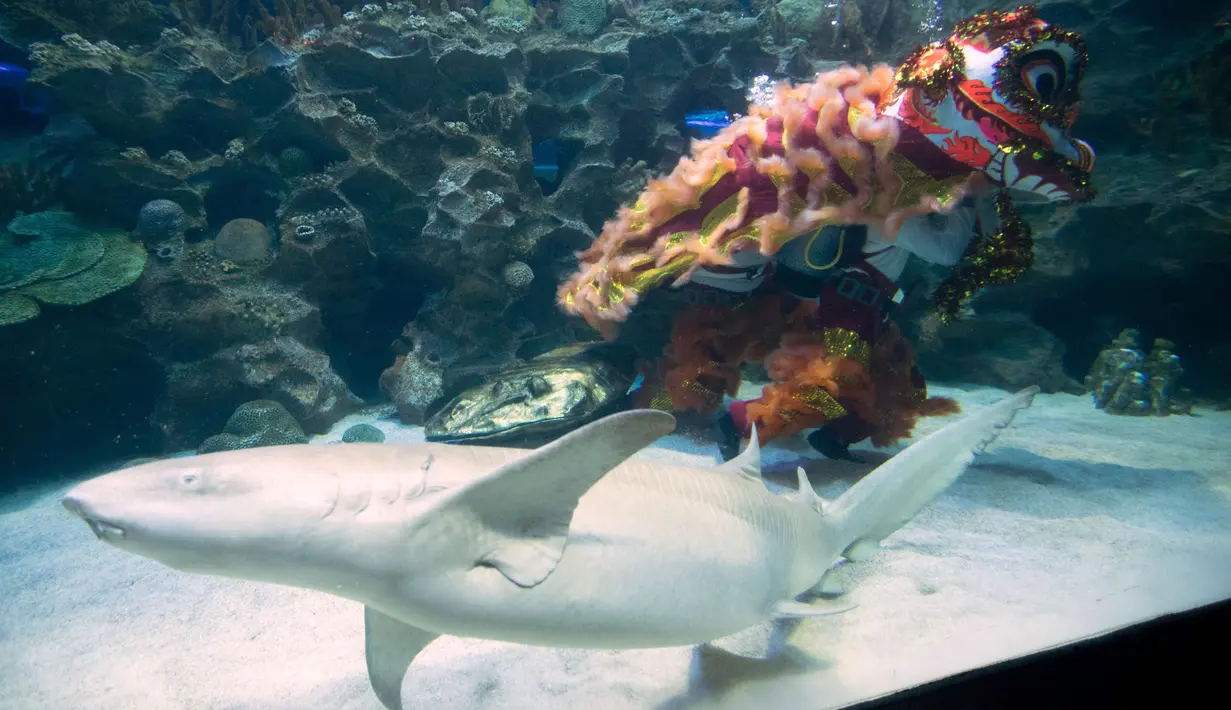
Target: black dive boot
(832,447)
(727,435)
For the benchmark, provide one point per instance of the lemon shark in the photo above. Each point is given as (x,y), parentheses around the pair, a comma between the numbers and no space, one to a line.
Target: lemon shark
(573,544)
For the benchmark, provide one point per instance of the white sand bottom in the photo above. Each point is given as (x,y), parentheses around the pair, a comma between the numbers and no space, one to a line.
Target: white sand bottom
(1074,523)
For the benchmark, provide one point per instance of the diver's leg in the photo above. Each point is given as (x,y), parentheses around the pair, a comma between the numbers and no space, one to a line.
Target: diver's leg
(763,330)
(834,439)
(829,444)
(727,432)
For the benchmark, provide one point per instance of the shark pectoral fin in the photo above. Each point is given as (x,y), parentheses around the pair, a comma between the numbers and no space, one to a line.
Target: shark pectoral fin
(748,463)
(527,562)
(829,585)
(526,506)
(861,550)
(390,646)
(790,609)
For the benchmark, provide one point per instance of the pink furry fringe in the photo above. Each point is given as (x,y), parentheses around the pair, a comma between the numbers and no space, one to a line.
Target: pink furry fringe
(849,126)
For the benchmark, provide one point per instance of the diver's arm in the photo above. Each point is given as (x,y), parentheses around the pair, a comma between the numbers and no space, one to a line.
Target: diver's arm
(939,238)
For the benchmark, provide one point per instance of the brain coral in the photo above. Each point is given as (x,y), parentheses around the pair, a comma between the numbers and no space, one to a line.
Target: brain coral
(160,219)
(242,241)
(518,274)
(261,422)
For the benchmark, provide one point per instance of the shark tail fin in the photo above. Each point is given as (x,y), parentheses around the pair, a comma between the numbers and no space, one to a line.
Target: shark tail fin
(890,496)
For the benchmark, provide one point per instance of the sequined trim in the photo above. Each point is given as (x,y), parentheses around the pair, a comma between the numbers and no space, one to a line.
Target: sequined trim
(916,183)
(931,69)
(646,280)
(994,259)
(819,399)
(846,343)
(722,211)
(702,390)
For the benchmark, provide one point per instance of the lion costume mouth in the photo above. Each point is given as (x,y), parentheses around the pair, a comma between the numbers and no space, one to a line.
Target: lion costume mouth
(992,125)
(1041,176)
(1029,162)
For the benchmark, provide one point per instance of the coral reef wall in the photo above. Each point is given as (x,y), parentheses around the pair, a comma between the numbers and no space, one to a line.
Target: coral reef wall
(341,202)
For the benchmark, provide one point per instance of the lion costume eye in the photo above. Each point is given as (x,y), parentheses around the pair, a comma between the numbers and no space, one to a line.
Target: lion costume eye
(1043,74)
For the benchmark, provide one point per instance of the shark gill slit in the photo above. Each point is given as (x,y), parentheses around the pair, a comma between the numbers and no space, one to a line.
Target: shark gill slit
(365,493)
(411,484)
(388,485)
(420,484)
(332,505)
(355,493)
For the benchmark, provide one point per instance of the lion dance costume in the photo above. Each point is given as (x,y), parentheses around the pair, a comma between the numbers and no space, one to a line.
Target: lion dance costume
(991,104)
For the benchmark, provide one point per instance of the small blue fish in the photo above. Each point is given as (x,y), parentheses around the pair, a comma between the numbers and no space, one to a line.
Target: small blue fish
(708,123)
(636,385)
(30,99)
(13,76)
(23,107)
(546,160)
(547,173)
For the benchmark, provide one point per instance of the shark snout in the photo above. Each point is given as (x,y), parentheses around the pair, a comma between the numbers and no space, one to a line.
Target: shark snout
(102,529)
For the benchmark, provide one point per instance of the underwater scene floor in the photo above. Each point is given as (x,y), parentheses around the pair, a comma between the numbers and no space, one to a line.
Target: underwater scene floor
(1072,524)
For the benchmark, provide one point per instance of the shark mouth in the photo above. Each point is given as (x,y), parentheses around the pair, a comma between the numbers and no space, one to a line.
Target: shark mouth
(102,529)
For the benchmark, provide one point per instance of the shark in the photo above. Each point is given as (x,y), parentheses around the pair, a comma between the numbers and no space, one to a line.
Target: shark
(577,543)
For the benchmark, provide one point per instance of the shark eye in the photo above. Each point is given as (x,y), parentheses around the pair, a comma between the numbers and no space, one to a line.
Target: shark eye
(190,480)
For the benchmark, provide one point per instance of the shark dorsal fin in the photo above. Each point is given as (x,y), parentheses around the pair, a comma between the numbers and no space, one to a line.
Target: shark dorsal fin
(807,494)
(526,506)
(748,463)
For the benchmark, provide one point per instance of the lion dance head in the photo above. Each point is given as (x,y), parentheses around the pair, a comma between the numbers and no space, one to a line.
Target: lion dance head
(1000,96)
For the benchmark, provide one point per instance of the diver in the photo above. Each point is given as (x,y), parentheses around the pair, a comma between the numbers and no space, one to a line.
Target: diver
(851,273)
